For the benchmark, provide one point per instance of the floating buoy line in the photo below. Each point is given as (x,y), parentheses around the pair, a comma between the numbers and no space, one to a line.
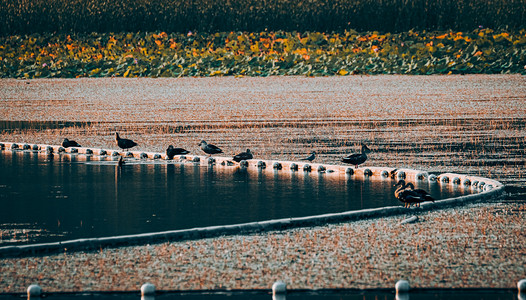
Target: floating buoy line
(483,189)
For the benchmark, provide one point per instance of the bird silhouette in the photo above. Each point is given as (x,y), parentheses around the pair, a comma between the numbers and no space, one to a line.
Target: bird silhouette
(243,156)
(311,157)
(209,148)
(357,158)
(406,193)
(67,143)
(171,152)
(124,144)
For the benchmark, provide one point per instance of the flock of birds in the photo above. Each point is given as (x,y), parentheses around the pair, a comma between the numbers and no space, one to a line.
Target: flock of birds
(405,192)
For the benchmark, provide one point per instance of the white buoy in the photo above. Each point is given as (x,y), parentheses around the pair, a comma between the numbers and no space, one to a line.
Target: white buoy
(147,289)
(521,286)
(279,287)
(421,176)
(402,286)
(34,290)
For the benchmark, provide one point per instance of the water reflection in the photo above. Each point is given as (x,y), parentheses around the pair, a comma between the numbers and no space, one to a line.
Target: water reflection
(66,196)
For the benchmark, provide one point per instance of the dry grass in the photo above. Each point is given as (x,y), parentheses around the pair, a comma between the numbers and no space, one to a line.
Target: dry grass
(446,249)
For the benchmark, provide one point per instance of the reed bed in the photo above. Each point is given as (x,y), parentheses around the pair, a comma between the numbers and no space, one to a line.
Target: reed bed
(86,16)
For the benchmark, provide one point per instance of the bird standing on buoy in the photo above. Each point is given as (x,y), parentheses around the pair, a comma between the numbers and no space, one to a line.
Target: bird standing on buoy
(209,148)
(243,156)
(311,157)
(171,152)
(124,144)
(406,193)
(357,158)
(67,143)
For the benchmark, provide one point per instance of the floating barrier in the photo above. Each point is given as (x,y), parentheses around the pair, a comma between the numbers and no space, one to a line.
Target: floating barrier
(483,188)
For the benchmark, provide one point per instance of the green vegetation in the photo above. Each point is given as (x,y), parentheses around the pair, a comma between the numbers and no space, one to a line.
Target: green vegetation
(85,16)
(262,54)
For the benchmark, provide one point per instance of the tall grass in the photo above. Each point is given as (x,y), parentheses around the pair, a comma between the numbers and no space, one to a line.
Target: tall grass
(37,16)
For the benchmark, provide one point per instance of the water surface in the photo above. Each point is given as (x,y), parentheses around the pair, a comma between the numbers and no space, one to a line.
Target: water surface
(66,196)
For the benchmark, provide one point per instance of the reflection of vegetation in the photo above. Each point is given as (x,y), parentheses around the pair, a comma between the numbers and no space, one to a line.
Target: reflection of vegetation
(21,17)
(262,54)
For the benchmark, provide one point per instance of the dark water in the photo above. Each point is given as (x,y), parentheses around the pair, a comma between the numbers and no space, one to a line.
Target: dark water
(64,197)
(325,295)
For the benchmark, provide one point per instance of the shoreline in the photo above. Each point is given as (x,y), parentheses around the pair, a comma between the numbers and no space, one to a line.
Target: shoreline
(473,246)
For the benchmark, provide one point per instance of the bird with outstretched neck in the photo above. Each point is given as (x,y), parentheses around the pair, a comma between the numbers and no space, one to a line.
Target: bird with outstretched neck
(124,144)
(406,193)
(357,158)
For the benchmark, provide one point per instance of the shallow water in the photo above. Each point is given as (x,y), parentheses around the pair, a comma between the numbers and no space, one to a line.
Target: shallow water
(73,196)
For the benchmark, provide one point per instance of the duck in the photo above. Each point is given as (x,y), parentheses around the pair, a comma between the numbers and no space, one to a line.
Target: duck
(67,143)
(311,157)
(357,159)
(171,152)
(209,148)
(406,193)
(124,144)
(243,156)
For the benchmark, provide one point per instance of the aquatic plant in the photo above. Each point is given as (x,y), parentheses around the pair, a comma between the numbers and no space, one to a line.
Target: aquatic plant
(262,54)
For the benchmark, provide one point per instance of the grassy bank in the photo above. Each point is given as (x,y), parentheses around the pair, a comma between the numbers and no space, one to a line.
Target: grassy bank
(261,54)
(38,16)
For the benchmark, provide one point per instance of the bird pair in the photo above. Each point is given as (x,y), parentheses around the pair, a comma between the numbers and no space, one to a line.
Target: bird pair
(407,194)
(212,149)
(353,159)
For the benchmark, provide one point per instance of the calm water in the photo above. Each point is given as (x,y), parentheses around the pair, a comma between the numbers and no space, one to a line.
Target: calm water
(64,197)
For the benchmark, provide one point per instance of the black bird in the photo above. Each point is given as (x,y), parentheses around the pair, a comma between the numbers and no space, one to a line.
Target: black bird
(243,156)
(209,148)
(311,157)
(171,152)
(357,159)
(124,144)
(406,193)
(67,143)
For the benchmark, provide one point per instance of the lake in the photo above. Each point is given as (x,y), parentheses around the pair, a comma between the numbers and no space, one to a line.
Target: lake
(473,124)
(63,196)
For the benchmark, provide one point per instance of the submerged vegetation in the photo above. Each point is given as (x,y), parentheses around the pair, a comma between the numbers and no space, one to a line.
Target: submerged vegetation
(350,52)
